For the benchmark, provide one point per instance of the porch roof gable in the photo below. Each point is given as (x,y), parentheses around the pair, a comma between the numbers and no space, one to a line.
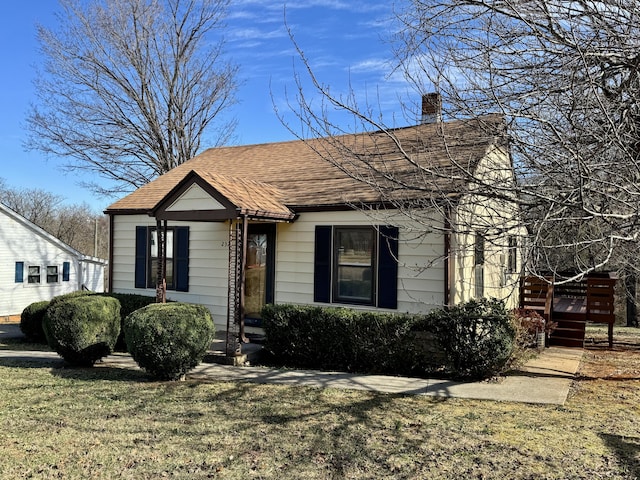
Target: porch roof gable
(208,197)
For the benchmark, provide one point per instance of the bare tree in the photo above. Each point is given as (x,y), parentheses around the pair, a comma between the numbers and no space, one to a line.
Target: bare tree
(129,88)
(565,76)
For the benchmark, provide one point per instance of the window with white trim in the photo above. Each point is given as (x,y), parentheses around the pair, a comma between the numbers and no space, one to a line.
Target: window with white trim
(354,264)
(33,274)
(153,258)
(52,274)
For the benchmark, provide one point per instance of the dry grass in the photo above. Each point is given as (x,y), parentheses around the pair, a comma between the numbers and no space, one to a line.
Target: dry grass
(108,423)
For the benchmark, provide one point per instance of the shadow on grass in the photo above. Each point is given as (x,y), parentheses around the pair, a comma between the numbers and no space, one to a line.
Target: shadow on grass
(63,369)
(21,343)
(627,449)
(102,373)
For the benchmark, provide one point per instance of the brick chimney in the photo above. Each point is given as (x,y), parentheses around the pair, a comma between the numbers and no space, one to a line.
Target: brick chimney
(431,108)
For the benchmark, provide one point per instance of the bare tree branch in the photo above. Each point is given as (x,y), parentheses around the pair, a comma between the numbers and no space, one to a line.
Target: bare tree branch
(129,88)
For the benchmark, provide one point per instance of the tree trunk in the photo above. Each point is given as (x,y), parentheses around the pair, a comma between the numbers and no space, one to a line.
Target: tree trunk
(630,294)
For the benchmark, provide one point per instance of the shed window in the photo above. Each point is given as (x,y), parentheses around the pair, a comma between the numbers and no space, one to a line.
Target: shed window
(34,274)
(52,274)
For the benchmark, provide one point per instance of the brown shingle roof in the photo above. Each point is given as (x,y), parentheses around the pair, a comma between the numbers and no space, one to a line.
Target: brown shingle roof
(406,162)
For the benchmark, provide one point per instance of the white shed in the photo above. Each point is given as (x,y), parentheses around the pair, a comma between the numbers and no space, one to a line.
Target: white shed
(35,265)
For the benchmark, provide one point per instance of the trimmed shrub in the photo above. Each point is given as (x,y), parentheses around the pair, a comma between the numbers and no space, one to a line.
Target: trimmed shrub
(473,340)
(478,337)
(82,328)
(350,340)
(169,339)
(129,303)
(31,321)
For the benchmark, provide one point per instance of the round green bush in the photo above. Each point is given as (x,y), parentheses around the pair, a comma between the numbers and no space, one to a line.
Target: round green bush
(31,321)
(129,302)
(169,339)
(82,328)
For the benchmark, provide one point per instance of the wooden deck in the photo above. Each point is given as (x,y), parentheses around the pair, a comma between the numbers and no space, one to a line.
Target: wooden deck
(571,305)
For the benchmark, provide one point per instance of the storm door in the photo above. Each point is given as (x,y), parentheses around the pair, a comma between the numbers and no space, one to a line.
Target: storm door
(259,274)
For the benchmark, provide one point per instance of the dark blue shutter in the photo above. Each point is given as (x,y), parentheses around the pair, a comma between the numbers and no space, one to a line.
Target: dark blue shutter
(388,267)
(141,257)
(181,260)
(66,269)
(19,272)
(322,265)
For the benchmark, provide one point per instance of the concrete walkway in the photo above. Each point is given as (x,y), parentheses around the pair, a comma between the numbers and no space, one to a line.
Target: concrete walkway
(544,380)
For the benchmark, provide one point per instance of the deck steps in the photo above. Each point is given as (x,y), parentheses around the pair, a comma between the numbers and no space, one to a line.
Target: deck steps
(570,332)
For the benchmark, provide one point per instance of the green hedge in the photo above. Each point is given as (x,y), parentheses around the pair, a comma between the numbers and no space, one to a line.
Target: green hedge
(348,340)
(478,337)
(31,321)
(129,303)
(471,341)
(169,339)
(82,328)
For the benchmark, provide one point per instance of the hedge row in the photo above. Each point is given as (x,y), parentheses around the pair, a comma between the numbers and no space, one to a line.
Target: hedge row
(472,341)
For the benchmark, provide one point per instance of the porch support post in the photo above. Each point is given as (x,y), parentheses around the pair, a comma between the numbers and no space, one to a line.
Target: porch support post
(234,295)
(243,269)
(161,281)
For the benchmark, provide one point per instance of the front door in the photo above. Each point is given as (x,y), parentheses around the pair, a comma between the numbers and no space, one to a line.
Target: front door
(259,274)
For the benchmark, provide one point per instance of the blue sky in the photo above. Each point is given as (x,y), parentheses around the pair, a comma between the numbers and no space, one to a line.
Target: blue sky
(343,40)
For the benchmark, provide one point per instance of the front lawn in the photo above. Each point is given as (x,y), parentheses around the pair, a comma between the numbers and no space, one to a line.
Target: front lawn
(112,423)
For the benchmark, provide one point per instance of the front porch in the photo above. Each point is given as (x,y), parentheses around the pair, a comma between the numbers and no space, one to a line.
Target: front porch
(571,304)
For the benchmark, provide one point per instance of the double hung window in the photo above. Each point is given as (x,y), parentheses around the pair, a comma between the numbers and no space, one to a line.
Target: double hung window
(356,265)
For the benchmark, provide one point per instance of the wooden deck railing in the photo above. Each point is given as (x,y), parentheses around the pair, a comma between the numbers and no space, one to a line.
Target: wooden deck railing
(575,303)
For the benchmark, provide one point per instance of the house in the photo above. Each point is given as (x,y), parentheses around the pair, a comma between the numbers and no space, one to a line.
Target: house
(392,220)
(35,265)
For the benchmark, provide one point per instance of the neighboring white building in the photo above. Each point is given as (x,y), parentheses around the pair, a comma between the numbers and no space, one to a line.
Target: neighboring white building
(35,265)
(278,223)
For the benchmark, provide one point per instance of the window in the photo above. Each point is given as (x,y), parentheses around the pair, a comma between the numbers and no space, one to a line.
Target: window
(353,265)
(478,262)
(512,254)
(356,265)
(146,258)
(52,274)
(33,274)
(152,277)
(19,272)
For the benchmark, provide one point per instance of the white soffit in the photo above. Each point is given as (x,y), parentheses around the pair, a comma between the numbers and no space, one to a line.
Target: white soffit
(195,198)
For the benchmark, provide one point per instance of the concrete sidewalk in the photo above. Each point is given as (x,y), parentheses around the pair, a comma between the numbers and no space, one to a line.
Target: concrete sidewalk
(544,380)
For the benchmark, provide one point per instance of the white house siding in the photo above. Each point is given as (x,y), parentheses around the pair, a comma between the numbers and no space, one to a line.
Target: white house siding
(208,262)
(497,219)
(19,242)
(420,288)
(421,266)
(92,276)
